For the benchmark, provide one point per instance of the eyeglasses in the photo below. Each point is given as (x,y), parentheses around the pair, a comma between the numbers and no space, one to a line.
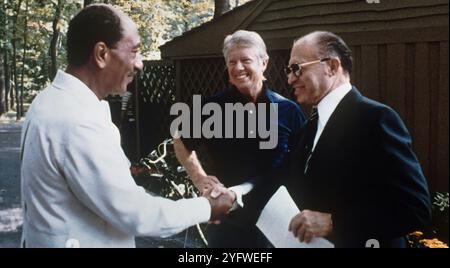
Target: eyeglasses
(297,68)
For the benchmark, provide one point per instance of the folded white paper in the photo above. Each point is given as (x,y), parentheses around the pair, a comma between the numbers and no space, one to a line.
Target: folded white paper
(274,223)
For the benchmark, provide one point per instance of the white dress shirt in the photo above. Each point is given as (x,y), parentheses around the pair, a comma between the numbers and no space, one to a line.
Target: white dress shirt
(326,107)
(77,190)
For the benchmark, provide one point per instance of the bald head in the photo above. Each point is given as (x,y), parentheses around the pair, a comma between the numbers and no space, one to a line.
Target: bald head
(93,24)
(328,45)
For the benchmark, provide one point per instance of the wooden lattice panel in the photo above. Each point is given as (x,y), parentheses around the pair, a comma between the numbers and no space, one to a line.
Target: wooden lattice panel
(202,76)
(156,89)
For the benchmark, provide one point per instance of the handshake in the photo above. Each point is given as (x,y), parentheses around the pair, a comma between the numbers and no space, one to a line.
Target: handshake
(220,198)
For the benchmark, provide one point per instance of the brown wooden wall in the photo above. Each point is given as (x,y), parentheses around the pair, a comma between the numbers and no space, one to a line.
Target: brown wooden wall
(413,79)
(281,21)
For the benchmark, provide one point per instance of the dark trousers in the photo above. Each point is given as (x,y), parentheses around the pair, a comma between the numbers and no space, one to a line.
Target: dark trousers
(234,233)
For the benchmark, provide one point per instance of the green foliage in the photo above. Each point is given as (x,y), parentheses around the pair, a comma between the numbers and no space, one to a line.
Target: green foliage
(440,215)
(161,20)
(158,20)
(440,203)
(39,31)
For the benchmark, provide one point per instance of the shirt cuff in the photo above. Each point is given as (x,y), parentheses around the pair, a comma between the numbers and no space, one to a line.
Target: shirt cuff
(240,190)
(204,209)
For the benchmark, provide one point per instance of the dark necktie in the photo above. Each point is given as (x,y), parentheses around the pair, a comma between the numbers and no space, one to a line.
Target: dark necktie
(310,134)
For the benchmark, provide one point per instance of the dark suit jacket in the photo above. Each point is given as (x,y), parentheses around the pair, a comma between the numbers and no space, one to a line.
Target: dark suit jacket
(364,173)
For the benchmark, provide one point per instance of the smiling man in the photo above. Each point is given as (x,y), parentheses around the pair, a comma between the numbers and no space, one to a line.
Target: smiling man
(240,163)
(77,190)
(353,172)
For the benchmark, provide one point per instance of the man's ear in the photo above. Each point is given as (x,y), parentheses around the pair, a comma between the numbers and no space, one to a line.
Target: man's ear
(101,54)
(265,62)
(335,63)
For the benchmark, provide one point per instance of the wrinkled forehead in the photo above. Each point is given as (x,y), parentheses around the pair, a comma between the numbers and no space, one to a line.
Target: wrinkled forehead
(247,50)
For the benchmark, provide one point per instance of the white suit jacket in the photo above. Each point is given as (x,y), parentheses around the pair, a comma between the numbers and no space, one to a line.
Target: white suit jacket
(77,190)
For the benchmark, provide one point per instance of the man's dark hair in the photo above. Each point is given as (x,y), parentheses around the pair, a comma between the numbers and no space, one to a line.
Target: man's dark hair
(93,24)
(329,44)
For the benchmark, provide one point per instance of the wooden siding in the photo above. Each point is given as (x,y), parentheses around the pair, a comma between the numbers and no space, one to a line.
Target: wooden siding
(412,78)
(280,22)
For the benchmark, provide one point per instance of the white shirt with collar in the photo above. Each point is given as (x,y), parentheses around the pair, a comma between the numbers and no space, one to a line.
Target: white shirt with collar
(77,190)
(326,107)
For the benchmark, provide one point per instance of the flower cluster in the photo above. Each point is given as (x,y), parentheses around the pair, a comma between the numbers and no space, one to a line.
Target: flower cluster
(416,240)
(438,231)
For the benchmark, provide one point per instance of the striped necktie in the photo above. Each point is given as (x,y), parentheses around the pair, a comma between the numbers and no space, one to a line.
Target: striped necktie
(310,135)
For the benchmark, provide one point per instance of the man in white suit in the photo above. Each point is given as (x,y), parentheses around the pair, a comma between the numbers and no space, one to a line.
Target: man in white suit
(77,190)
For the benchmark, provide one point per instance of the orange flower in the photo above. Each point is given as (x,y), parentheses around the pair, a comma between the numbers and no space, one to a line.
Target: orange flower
(416,233)
(433,243)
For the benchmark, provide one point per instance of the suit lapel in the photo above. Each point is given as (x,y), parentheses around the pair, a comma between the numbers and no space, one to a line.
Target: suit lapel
(335,126)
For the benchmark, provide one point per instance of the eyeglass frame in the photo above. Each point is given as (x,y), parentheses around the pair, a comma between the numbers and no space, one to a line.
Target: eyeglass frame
(289,69)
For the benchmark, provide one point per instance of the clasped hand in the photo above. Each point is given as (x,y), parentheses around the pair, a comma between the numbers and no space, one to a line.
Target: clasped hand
(221,200)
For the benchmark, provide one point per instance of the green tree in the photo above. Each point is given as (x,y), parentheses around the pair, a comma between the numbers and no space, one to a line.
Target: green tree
(58,8)
(2,44)
(33,35)
(4,48)
(2,87)
(14,94)
(25,33)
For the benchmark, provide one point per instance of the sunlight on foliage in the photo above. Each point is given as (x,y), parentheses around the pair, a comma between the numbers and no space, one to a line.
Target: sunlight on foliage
(158,20)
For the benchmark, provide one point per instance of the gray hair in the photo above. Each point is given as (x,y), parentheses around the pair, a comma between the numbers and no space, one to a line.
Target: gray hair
(245,39)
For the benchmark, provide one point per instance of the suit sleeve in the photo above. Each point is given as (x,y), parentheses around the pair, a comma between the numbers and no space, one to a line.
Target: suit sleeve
(395,200)
(97,172)
(409,207)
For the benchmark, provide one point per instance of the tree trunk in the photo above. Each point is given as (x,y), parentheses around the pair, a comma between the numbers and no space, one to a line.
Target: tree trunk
(7,78)
(2,87)
(55,37)
(5,55)
(3,45)
(186,11)
(87,2)
(14,61)
(25,33)
(220,7)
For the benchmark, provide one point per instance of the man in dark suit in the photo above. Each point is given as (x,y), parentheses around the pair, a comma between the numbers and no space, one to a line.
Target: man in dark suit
(353,172)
